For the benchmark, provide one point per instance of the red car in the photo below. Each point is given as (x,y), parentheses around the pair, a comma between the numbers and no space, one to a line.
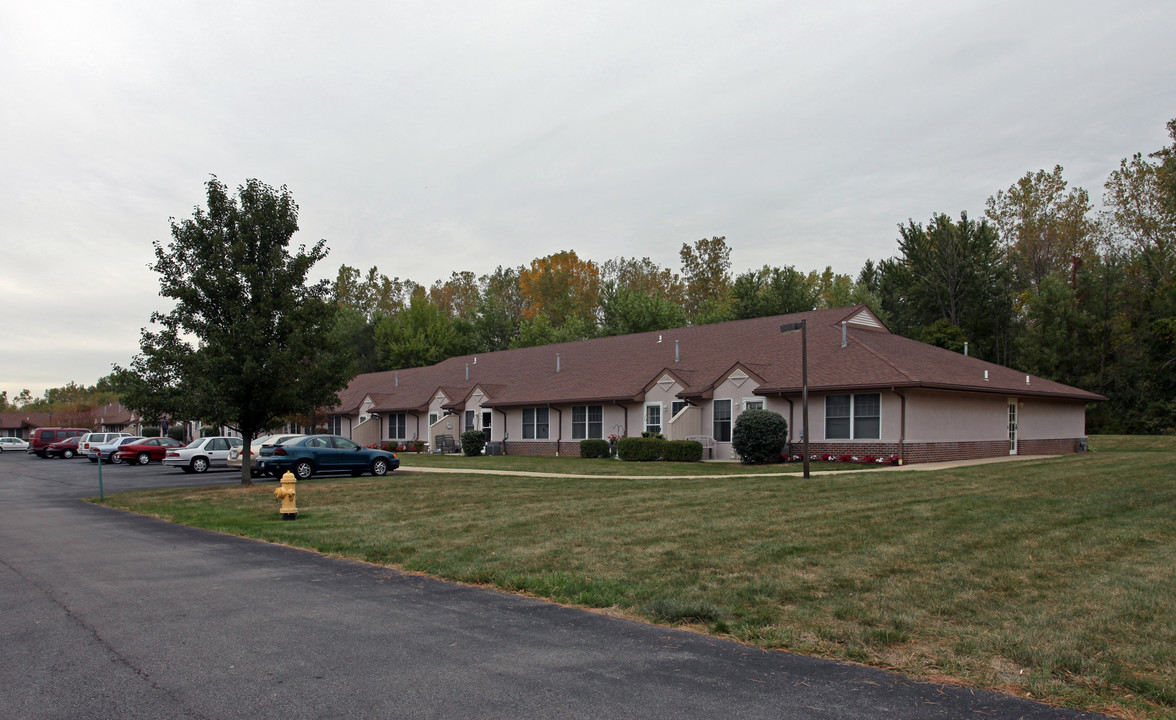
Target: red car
(145,451)
(66,448)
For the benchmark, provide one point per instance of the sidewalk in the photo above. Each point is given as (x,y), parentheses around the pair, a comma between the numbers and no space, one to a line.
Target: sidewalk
(794,470)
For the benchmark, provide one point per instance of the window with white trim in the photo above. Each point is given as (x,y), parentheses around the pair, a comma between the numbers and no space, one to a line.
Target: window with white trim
(587,422)
(853,417)
(753,403)
(335,425)
(469,420)
(721,427)
(433,418)
(678,406)
(536,423)
(397,422)
(653,418)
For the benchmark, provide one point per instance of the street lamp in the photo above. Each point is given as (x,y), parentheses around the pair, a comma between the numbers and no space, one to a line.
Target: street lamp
(802,326)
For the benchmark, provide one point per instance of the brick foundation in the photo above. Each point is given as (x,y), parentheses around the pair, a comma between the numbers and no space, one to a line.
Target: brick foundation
(911,452)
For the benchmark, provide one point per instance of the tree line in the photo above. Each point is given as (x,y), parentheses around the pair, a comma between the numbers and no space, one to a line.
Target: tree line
(1041,282)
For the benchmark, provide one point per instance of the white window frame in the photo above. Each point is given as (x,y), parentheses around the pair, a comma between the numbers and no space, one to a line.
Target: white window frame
(531,429)
(400,421)
(854,434)
(434,418)
(660,418)
(730,419)
(587,428)
(763,405)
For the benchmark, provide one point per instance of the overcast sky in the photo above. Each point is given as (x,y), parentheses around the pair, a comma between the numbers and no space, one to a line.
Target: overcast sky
(426,138)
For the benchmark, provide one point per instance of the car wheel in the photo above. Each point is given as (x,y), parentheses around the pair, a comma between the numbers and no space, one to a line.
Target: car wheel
(143,458)
(255,473)
(379,467)
(302,470)
(199,464)
(67,454)
(114,459)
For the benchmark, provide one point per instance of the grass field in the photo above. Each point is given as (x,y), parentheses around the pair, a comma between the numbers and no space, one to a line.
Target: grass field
(1052,579)
(570,465)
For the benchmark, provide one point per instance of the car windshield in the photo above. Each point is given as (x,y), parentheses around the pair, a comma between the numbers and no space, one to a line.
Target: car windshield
(283,439)
(129,440)
(195,443)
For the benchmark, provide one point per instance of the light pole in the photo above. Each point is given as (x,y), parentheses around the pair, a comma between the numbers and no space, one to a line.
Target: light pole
(803,327)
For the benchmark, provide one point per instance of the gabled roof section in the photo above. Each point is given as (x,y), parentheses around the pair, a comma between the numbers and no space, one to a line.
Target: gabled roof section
(861,316)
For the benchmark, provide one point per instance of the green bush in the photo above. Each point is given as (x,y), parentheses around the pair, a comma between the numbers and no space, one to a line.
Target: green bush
(595,448)
(472,442)
(639,449)
(209,432)
(176,432)
(759,436)
(682,451)
(151,432)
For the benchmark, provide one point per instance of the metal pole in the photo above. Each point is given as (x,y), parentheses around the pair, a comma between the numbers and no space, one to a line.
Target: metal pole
(804,390)
(101,496)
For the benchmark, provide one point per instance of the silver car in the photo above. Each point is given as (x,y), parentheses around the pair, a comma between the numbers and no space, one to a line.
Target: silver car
(199,455)
(106,451)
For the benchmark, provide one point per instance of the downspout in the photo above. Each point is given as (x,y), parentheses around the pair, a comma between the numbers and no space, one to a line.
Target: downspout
(791,425)
(504,434)
(902,428)
(559,431)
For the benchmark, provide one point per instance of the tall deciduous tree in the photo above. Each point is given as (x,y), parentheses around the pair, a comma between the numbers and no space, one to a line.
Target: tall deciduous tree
(771,291)
(560,287)
(706,267)
(420,335)
(1043,227)
(249,341)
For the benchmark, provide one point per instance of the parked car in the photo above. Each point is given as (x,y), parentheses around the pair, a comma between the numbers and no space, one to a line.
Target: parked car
(107,451)
(255,450)
(324,453)
(13,443)
(66,448)
(144,451)
(97,438)
(199,455)
(42,438)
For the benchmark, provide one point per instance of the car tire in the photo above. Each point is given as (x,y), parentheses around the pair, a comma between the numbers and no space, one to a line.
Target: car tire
(379,467)
(186,469)
(67,454)
(199,464)
(143,458)
(303,469)
(114,459)
(254,473)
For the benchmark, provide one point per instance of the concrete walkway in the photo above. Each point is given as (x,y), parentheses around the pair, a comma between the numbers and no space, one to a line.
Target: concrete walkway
(793,470)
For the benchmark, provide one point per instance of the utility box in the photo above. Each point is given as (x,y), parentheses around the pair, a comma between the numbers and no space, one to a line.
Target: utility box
(494,448)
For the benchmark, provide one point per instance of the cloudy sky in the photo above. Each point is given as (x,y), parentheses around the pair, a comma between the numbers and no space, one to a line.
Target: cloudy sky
(425,138)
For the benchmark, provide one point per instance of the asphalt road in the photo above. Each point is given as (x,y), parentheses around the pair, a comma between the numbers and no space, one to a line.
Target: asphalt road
(110,615)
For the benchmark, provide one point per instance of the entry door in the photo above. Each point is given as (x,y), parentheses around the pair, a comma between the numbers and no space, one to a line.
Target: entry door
(1012,427)
(487,420)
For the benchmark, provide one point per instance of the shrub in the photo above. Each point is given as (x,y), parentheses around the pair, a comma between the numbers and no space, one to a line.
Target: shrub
(759,436)
(176,432)
(595,449)
(639,449)
(151,432)
(472,442)
(682,451)
(209,432)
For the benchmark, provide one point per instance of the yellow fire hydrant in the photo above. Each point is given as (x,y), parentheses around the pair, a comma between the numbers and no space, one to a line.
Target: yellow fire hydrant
(286,494)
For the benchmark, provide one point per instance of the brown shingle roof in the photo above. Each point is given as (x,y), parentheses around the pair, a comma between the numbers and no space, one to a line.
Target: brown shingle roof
(620,368)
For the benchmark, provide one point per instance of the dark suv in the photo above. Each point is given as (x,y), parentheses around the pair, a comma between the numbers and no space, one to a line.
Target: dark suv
(42,438)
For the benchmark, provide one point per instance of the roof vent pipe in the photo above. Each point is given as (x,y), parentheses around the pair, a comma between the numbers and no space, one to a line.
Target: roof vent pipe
(843,341)
(397,379)
(985,376)
(1026,379)
(467,371)
(965,348)
(557,362)
(677,349)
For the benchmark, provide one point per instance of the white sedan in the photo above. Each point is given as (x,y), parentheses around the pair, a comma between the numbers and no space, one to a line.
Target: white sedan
(199,455)
(8,444)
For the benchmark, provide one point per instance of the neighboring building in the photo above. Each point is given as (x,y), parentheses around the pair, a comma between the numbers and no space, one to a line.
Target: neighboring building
(112,417)
(870,393)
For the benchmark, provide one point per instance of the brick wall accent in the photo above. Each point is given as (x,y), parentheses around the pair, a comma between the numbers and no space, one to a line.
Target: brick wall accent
(912,452)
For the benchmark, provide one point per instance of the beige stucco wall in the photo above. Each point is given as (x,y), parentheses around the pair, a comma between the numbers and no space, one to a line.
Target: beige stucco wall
(943,417)
(1040,419)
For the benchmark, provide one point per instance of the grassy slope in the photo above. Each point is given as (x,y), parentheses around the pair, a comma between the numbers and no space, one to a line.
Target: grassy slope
(1047,578)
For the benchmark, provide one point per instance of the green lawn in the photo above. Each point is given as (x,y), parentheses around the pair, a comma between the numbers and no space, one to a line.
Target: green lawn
(573,465)
(1052,579)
